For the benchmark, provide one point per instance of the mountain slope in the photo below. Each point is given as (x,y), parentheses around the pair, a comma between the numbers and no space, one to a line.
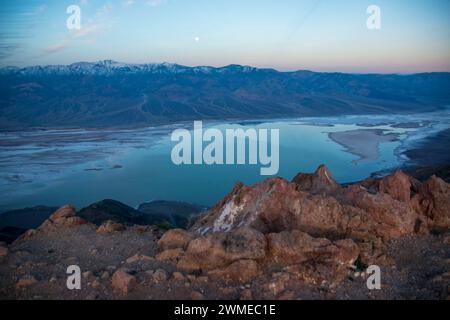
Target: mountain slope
(109,93)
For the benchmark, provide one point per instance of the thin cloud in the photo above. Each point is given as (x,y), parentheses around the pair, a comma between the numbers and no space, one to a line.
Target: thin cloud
(92,28)
(89,30)
(55,48)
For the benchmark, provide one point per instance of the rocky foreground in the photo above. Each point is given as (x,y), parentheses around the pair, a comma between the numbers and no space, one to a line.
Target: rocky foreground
(310,238)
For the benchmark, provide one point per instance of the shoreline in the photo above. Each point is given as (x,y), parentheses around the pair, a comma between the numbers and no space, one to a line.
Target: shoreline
(432,150)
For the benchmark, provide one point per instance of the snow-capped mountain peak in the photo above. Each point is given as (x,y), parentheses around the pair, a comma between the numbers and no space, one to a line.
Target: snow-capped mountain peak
(111,67)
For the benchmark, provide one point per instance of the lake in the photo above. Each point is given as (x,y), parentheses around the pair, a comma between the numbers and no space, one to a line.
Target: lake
(55,167)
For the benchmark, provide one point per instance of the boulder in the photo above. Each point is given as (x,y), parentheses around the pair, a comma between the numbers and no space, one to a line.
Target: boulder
(65,216)
(123,281)
(240,271)
(220,249)
(26,281)
(170,254)
(174,239)
(295,247)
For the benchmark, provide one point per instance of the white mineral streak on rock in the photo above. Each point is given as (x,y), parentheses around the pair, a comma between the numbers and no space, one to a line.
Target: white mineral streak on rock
(227,217)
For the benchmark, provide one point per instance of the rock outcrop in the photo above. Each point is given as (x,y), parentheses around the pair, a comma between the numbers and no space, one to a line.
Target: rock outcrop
(65,216)
(397,185)
(319,182)
(316,204)
(315,221)
(432,202)
(296,247)
(174,239)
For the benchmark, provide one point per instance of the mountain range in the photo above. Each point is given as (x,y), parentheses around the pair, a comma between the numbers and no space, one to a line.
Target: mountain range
(109,93)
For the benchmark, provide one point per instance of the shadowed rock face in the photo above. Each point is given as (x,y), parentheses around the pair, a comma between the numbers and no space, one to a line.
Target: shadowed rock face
(15,222)
(175,213)
(116,211)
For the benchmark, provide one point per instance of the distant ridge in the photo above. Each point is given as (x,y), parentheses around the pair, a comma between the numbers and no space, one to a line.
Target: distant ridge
(106,67)
(109,93)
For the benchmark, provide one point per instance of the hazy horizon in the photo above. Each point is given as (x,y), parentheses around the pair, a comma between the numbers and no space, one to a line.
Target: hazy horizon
(316,35)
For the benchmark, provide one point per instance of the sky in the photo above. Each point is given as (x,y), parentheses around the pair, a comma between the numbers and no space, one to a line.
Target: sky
(319,35)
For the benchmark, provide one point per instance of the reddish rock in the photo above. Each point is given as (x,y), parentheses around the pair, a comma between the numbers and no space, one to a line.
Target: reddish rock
(432,202)
(27,235)
(241,271)
(110,226)
(63,212)
(26,281)
(123,281)
(275,205)
(246,294)
(278,283)
(299,218)
(397,185)
(174,239)
(3,251)
(317,205)
(170,254)
(139,258)
(195,295)
(287,295)
(384,217)
(73,221)
(319,182)
(295,247)
(63,217)
(178,276)
(218,250)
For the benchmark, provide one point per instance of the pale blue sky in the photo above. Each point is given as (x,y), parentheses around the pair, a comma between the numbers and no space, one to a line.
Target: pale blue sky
(323,35)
